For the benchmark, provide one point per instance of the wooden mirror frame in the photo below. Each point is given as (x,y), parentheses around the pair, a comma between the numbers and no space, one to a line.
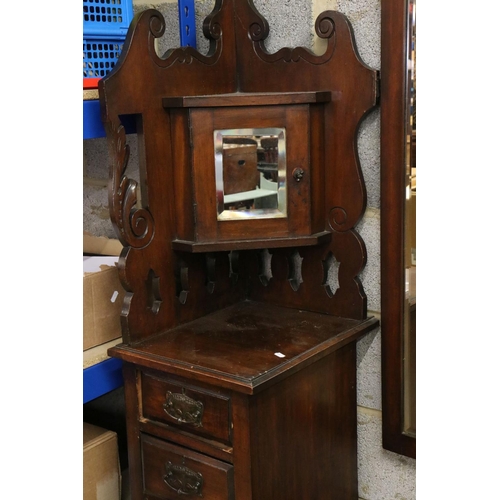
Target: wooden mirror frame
(394,41)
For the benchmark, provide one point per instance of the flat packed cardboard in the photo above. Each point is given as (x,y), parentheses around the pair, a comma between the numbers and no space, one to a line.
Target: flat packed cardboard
(103,297)
(101,464)
(98,353)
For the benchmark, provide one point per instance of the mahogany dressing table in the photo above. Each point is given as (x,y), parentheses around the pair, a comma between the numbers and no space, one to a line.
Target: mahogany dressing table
(239,355)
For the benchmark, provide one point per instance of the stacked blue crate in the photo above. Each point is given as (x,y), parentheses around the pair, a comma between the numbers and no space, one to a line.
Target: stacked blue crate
(105,25)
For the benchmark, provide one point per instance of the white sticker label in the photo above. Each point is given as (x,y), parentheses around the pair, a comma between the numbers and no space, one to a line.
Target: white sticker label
(279,354)
(114,296)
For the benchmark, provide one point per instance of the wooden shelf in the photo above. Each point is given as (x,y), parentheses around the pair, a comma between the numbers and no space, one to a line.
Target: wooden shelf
(225,246)
(246,99)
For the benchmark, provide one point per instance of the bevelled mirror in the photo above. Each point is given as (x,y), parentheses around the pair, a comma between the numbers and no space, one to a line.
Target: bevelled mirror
(250,173)
(398,225)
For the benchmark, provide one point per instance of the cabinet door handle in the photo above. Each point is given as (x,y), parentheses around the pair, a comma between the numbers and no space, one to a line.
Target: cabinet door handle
(183,409)
(183,480)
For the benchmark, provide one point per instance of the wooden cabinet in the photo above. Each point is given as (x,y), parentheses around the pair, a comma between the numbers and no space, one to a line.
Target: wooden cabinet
(267,410)
(241,317)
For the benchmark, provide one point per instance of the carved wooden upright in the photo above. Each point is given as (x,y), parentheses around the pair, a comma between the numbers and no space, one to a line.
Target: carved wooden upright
(240,322)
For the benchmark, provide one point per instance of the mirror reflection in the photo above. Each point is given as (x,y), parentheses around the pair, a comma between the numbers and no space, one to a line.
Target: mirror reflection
(410,312)
(250,173)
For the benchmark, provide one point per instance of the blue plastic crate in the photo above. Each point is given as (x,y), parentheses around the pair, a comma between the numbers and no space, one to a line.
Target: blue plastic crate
(100,56)
(106,17)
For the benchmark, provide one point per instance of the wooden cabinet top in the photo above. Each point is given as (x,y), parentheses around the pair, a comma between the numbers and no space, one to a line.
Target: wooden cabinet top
(246,346)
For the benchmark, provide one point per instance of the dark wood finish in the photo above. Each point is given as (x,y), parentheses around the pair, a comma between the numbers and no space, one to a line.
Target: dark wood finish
(246,99)
(236,347)
(131,388)
(214,421)
(243,376)
(330,197)
(242,458)
(240,168)
(224,246)
(215,449)
(312,294)
(298,129)
(393,102)
(310,414)
(293,419)
(215,477)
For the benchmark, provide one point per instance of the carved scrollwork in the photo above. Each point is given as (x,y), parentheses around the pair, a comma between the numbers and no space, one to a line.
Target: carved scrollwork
(258,32)
(325,28)
(134,226)
(211,26)
(157,24)
(325,25)
(337,218)
(185,55)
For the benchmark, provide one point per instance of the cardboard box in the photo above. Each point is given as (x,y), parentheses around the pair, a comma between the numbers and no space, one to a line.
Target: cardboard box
(101,245)
(103,297)
(101,464)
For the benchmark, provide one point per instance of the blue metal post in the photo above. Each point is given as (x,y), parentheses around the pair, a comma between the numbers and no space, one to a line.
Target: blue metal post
(187,23)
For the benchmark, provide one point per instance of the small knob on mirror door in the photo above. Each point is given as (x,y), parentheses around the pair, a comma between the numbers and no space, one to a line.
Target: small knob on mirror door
(298,174)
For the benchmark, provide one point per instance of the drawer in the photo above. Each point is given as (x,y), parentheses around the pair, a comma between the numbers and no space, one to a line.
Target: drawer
(171,472)
(193,409)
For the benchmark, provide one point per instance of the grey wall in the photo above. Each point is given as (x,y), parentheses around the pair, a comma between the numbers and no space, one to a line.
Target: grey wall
(383,475)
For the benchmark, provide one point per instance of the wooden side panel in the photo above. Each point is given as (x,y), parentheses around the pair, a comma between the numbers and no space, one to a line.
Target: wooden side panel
(149,269)
(182,174)
(346,254)
(133,434)
(303,433)
(242,458)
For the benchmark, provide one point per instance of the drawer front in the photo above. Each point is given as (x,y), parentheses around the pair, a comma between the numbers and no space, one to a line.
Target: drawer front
(171,472)
(189,408)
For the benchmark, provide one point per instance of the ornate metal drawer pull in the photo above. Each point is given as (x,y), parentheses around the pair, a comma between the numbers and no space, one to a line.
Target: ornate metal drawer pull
(183,480)
(183,409)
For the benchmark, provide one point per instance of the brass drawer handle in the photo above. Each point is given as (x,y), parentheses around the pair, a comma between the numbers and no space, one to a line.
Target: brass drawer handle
(183,409)
(183,480)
